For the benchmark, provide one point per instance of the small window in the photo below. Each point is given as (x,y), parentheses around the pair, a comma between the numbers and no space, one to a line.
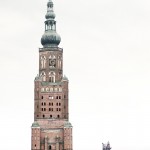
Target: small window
(51,97)
(60,89)
(47,89)
(50,116)
(37,116)
(49,147)
(43,116)
(59,109)
(42,104)
(51,89)
(44,109)
(56,97)
(64,96)
(42,89)
(42,97)
(59,97)
(59,104)
(58,116)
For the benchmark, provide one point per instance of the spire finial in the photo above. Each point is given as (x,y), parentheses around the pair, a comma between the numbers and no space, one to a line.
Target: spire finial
(50,37)
(50,12)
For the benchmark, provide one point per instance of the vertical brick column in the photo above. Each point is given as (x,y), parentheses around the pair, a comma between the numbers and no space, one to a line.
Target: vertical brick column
(35,136)
(68,136)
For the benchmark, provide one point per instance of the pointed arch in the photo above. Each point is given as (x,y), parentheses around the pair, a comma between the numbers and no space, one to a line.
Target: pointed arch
(51,76)
(43,76)
(43,62)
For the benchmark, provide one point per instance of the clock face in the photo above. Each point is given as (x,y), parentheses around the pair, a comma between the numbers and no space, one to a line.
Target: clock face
(52,62)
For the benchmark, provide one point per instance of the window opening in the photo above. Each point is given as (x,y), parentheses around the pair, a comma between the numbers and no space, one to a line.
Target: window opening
(50,147)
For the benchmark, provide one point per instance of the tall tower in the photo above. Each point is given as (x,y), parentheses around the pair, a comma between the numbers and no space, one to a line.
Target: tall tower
(51,129)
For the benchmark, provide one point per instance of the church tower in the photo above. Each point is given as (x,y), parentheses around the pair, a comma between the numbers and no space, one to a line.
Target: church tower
(51,129)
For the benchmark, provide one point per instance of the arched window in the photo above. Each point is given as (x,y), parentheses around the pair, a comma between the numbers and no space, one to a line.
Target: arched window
(43,76)
(55,89)
(42,89)
(51,76)
(43,61)
(51,89)
(47,89)
(49,148)
(60,89)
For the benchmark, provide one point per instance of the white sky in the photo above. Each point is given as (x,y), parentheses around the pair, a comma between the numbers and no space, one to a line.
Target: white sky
(106,58)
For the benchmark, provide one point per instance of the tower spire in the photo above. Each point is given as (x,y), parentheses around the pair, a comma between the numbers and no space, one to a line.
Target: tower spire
(50,12)
(50,38)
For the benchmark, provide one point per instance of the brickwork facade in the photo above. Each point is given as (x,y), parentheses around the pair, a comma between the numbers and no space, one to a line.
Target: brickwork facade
(51,129)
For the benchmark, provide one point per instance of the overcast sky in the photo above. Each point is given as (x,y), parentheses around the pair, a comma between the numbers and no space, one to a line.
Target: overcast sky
(106,58)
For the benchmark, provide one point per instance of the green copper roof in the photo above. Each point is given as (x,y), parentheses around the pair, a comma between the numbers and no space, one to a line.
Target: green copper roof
(65,78)
(67,125)
(35,124)
(50,38)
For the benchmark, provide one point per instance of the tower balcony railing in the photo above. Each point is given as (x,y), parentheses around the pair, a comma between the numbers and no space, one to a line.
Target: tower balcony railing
(50,48)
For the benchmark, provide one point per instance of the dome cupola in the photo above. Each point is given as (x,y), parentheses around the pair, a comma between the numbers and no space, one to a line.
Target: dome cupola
(50,38)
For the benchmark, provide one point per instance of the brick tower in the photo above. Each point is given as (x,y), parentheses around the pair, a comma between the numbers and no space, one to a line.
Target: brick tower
(51,129)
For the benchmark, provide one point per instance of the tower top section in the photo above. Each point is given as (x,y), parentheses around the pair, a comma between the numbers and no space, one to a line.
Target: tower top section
(50,38)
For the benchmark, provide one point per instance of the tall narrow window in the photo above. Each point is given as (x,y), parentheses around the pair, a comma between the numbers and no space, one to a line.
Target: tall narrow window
(50,147)
(51,89)
(43,76)
(43,62)
(58,116)
(59,62)
(52,76)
